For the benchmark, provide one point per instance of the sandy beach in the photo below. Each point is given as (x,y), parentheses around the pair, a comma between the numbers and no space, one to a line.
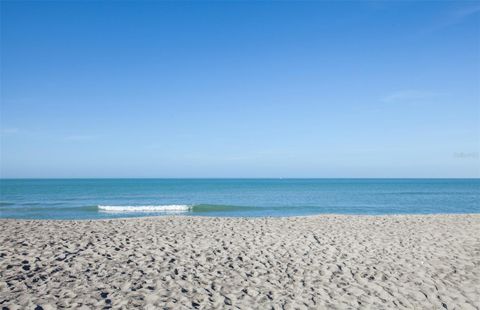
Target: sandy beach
(176,262)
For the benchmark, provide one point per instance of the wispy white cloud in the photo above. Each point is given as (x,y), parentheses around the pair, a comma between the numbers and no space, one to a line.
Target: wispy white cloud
(466,12)
(411,96)
(9,131)
(452,18)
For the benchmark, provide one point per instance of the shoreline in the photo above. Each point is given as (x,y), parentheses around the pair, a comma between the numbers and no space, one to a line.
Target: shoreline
(201,262)
(244,217)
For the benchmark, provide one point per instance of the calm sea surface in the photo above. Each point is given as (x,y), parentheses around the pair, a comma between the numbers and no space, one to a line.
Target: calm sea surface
(109,198)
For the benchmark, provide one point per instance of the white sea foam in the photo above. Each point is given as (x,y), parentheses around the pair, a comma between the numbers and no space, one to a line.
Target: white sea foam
(161,208)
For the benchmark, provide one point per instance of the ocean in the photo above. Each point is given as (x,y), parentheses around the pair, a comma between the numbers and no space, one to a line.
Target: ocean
(113,198)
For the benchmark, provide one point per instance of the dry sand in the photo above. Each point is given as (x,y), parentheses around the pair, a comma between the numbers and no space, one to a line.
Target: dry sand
(331,261)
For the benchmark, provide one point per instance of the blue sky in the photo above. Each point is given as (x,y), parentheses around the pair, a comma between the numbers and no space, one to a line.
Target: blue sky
(240,89)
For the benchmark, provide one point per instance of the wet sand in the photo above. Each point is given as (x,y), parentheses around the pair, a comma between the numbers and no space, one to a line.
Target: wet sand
(177,262)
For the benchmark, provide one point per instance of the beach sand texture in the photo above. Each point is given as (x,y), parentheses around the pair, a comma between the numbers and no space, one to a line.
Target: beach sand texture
(177,262)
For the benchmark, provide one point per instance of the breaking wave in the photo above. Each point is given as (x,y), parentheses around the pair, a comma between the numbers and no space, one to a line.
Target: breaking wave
(160,208)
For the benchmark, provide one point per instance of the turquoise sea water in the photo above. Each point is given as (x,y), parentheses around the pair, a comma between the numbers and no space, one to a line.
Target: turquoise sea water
(110,198)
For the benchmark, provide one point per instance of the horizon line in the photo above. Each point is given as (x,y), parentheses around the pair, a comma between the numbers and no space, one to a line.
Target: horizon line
(231,178)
